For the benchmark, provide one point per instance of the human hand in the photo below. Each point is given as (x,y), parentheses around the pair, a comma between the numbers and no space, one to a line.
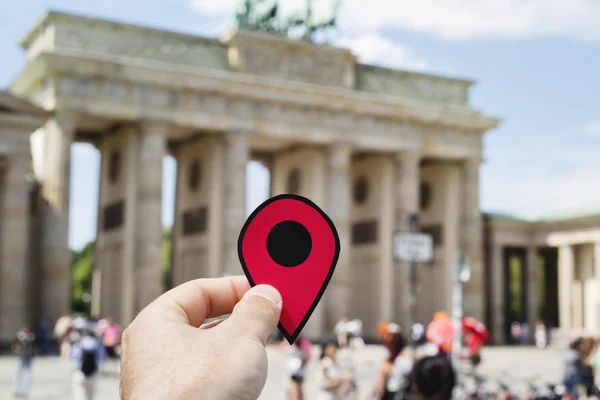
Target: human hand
(165,355)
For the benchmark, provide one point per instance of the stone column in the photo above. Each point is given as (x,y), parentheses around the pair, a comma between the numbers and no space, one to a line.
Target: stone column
(566,265)
(471,239)
(130,164)
(406,203)
(152,143)
(498,297)
(532,290)
(337,195)
(235,160)
(55,257)
(596,260)
(14,251)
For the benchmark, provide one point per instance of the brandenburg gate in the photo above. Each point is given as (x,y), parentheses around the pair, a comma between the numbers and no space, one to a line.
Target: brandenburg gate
(374,147)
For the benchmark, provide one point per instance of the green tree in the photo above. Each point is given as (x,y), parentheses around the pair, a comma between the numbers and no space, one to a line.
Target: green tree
(82,264)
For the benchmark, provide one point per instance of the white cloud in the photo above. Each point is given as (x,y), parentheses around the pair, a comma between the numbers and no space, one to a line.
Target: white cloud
(539,191)
(454,19)
(461,19)
(559,177)
(214,8)
(372,48)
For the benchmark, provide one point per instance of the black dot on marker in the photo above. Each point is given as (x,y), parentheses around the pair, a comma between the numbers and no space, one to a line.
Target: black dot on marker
(289,243)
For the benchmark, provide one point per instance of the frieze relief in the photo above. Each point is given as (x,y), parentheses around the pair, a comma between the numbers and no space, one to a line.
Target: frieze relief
(301,67)
(102,38)
(279,57)
(353,125)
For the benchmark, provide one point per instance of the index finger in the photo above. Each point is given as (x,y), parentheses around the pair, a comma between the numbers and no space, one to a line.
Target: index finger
(195,301)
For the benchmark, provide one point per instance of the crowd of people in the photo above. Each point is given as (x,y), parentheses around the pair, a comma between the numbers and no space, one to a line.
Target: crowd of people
(415,367)
(86,342)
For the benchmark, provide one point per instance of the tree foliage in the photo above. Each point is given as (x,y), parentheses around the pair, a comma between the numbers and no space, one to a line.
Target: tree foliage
(82,264)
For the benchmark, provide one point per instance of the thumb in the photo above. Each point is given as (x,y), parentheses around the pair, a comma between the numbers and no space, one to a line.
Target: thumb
(257,313)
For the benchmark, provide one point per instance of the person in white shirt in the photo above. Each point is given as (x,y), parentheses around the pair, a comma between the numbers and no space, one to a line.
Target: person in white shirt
(329,376)
(340,326)
(347,367)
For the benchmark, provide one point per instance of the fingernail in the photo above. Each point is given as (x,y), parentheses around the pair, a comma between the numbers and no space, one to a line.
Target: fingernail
(266,292)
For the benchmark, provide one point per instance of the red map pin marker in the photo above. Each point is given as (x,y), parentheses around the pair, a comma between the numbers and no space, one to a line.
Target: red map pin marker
(288,242)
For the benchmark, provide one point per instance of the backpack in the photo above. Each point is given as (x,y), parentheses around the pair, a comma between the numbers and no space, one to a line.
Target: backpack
(88,363)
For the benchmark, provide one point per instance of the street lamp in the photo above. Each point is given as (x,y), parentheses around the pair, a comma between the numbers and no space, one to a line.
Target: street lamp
(462,275)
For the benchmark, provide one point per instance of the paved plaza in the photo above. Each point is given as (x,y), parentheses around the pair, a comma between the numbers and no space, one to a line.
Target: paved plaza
(51,374)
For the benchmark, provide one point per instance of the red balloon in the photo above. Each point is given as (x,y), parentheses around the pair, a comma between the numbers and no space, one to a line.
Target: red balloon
(288,242)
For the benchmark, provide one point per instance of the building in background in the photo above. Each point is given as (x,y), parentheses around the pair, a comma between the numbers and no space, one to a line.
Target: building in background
(374,147)
(546,270)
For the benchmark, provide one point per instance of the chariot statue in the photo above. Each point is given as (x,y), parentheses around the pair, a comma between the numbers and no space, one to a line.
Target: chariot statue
(264,16)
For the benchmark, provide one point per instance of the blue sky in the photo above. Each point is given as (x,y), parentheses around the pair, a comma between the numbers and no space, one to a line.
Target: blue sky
(536,63)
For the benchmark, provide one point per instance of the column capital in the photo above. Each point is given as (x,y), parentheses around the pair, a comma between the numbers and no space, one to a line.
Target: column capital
(472,162)
(339,155)
(237,134)
(341,146)
(408,156)
(64,117)
(565,247)
(63,123)
(154,125)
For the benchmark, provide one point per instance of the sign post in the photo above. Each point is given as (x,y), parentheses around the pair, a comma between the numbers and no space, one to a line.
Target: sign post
(413,248)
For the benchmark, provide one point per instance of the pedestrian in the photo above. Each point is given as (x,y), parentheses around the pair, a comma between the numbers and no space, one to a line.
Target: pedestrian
(62,333)
(417,334)
(87,353)
(433,378)
(595,363)
(572,376)
(340,326)
(394,342)
(541,337)
(298,360)
(524,333)
(345,361)
(45,335)
(588,347)
(515,331)
(23,347)
(111,337)
(355,334)
(329,376)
